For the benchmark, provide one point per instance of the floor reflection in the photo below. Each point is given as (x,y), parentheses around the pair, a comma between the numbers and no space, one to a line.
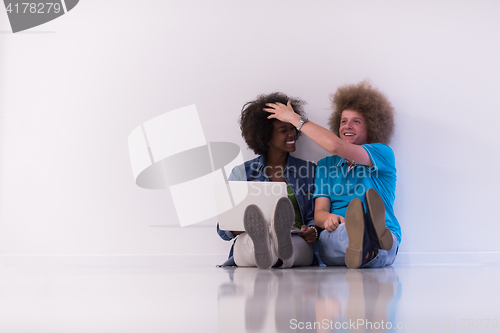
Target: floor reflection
(308,300)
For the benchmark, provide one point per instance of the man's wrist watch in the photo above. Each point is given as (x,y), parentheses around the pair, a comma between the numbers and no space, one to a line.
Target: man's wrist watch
(302,121)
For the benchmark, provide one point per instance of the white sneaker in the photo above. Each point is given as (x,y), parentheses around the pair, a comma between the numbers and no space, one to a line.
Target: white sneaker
(256,227)
(282,221)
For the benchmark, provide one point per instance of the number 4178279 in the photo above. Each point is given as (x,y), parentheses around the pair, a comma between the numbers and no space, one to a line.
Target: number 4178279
(34,8)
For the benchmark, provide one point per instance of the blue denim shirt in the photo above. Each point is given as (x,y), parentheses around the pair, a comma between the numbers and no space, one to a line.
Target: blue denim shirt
(299,175)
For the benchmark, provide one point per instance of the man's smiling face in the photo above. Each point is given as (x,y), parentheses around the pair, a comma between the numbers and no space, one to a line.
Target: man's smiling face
(353,127)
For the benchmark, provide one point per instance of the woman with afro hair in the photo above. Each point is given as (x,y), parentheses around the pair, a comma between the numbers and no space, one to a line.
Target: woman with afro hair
(355,187)
(274,140)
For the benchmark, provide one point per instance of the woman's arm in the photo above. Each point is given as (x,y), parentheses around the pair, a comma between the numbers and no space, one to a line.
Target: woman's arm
(320,135)
(308,234)
(324,219)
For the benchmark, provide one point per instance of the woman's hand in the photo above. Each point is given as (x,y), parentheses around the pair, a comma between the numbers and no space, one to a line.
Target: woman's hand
(283,112)
(332,222)
(308,234)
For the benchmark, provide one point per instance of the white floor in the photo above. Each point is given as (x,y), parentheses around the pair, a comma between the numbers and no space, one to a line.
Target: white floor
(159,298)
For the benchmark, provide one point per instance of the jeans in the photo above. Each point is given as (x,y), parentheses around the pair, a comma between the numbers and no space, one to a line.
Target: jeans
(332,247)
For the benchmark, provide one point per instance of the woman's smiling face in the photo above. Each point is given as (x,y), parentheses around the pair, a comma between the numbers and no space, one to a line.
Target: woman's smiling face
(284,136)
(353,127)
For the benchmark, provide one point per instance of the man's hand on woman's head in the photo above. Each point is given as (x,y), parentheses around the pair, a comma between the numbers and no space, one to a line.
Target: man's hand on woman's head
(283,112)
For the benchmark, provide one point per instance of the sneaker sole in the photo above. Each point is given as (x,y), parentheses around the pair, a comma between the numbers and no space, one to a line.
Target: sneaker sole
(355,227)
(376,208)
(256,227)
(283,218)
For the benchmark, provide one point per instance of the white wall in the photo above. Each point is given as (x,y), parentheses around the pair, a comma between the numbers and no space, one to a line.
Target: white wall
(73,89)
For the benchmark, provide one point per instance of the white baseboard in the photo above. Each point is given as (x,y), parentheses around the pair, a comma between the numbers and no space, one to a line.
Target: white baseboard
(114,260)
(404,258)
(448,258)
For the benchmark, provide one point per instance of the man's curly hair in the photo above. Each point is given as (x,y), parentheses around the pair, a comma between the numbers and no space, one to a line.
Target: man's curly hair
(256,129)
(369,102)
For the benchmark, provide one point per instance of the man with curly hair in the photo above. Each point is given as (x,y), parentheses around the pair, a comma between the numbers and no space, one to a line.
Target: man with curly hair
(274,140)
(355,187)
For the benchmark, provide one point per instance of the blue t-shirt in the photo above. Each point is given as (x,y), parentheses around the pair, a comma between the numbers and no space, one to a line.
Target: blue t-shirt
(335,182)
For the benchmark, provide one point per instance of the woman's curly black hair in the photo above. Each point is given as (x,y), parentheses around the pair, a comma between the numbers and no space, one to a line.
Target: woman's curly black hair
(256,129)
(371,103)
